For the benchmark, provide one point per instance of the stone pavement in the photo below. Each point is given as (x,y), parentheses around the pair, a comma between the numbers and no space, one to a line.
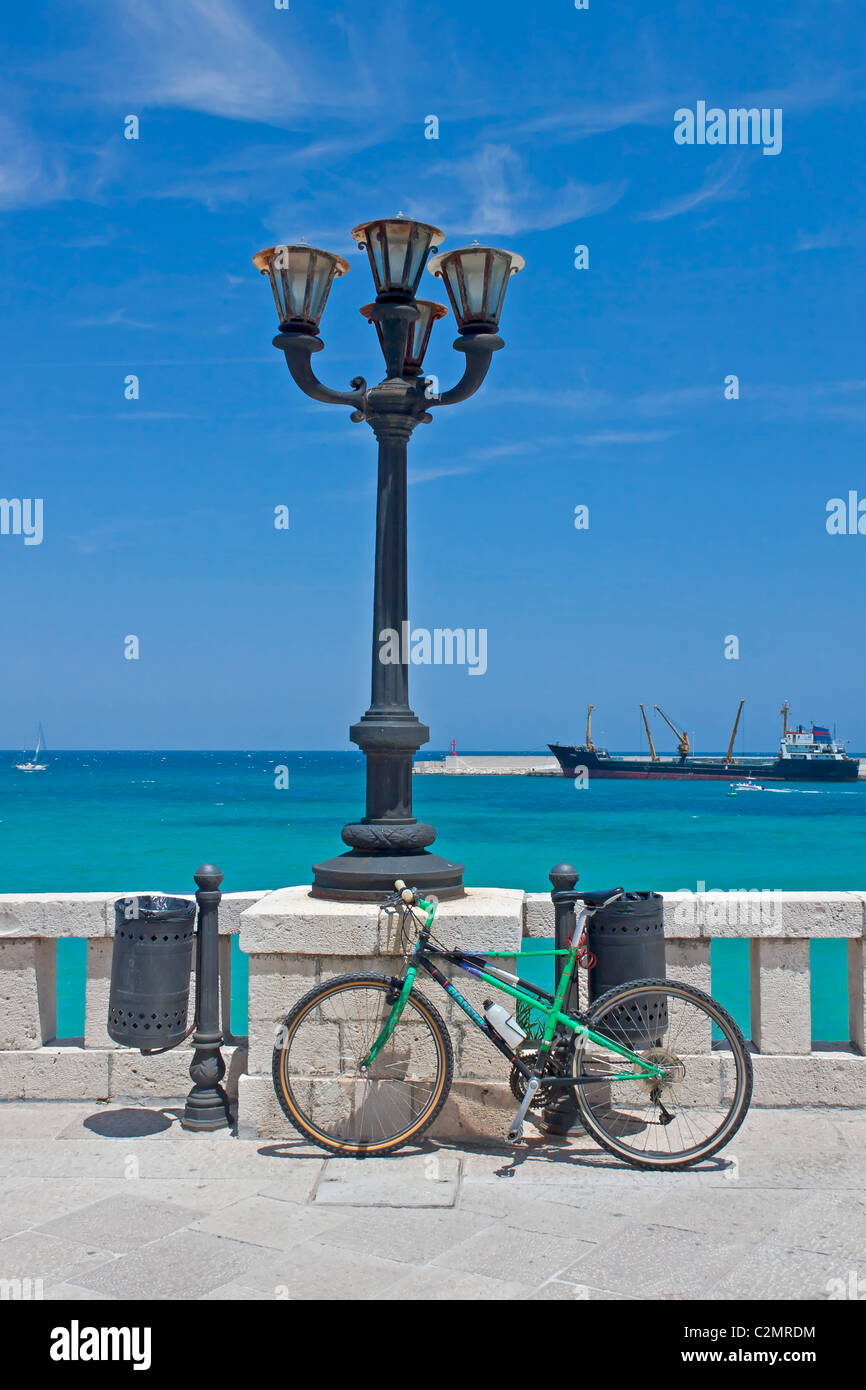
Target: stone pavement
(113,1201)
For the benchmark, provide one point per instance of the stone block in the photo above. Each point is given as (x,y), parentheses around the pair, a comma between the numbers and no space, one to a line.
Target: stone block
(824,1078)
(477,1110)
(538,919)
(475,1057)
(781,995)
(56,914)
(54,1073)
(259,1113)
(97,988)
(289,921)
(857,994)
(773,913)
(28,992)
(687,960)
(165,1075)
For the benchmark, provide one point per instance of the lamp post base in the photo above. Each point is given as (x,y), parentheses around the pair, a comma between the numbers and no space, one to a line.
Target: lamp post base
(207,1112)
(359,877)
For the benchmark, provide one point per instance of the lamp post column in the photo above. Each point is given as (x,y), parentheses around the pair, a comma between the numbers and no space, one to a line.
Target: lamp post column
(389,843)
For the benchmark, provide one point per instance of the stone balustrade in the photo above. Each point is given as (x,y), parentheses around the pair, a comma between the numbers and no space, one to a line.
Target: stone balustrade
(293,940)
(34,1065)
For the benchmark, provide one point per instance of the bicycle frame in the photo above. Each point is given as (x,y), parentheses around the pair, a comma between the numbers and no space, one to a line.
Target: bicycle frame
(550,1006)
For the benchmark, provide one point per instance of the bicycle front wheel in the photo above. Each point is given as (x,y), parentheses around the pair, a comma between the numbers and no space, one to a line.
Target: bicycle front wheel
(318,1075)
(699,1104)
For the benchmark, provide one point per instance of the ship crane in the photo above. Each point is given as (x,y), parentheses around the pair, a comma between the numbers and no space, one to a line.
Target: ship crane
(683,745)
(653,754)
(589,743)
(734,733)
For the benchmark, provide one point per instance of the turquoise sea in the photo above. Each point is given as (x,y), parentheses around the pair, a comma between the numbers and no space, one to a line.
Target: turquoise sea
(144,821)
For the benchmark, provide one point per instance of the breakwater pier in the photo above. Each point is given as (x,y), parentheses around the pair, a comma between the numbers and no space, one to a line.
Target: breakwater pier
(492,765)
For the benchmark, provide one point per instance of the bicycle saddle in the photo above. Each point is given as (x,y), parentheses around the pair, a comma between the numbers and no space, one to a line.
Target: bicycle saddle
(596,899)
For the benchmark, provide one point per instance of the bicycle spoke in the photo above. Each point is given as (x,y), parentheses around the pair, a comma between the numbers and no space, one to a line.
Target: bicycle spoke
(321,1073)
(676,1118)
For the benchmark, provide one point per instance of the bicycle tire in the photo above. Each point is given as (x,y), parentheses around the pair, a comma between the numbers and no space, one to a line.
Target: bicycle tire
(626,996)
(290,1031)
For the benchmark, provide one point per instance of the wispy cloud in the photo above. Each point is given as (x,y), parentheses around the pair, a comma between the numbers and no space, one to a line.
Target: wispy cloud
(117,317)
(202,55)
(30,174)
(830,238)
(720,182)
(503,451)
(605,437)
(429,475)
(498,195)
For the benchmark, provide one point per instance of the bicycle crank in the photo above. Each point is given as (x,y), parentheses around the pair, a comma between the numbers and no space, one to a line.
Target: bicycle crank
(546,1094)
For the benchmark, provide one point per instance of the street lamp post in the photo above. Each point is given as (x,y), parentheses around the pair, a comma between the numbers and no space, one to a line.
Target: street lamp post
(388,842)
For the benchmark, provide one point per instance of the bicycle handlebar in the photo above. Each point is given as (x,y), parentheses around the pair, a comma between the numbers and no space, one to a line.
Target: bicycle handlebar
(593,902)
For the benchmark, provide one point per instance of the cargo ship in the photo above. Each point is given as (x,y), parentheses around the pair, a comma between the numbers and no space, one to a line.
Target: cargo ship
(805,755)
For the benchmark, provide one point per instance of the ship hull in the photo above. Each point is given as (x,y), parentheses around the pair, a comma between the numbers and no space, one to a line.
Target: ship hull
(594,763)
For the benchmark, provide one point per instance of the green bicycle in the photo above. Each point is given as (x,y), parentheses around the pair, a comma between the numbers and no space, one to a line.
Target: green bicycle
(661,1073)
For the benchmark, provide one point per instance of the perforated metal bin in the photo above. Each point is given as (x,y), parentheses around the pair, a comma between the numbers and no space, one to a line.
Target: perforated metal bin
(628,942)
(150,971)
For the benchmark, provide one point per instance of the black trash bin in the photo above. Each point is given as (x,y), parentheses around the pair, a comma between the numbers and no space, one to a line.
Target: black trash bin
(628,942)
(150,971)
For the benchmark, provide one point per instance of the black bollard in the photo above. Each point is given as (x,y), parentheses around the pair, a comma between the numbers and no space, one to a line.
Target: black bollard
(207,1105)
(561,1114)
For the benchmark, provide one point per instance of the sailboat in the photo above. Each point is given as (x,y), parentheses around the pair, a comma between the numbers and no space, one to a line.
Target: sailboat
(35,765)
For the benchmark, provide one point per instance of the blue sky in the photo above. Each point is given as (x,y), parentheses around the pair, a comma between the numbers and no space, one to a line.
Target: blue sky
(707,516)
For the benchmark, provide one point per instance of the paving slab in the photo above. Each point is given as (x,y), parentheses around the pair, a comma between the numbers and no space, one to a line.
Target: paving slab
(74,1293)
(772,1271)
(535,1212)
(20,1120)
(104,1202)
(120,1223)
(232,1293)
(534,1256)
(184,1265)
(27,1204)
(198,1194)
(418,1237)
(420,1180)
(324,1272)
(655,1262)
(33,1255)
(827,1223)
(438,1284)
(557,1290)
(750,1213)
(263,1221)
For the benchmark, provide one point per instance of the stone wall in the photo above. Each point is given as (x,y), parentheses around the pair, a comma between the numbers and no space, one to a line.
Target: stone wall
(294,940)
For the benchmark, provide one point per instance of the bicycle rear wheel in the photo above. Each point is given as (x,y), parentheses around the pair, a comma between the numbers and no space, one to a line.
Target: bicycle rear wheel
(696,1108)
(322,1087)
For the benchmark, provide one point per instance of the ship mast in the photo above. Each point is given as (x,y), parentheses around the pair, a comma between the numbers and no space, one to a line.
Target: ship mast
(683,746)
(653,753)
(589,743)
(734,733)
(784,713)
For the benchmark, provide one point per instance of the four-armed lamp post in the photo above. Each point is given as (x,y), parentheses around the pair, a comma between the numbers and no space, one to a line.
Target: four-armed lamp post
(389,843)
